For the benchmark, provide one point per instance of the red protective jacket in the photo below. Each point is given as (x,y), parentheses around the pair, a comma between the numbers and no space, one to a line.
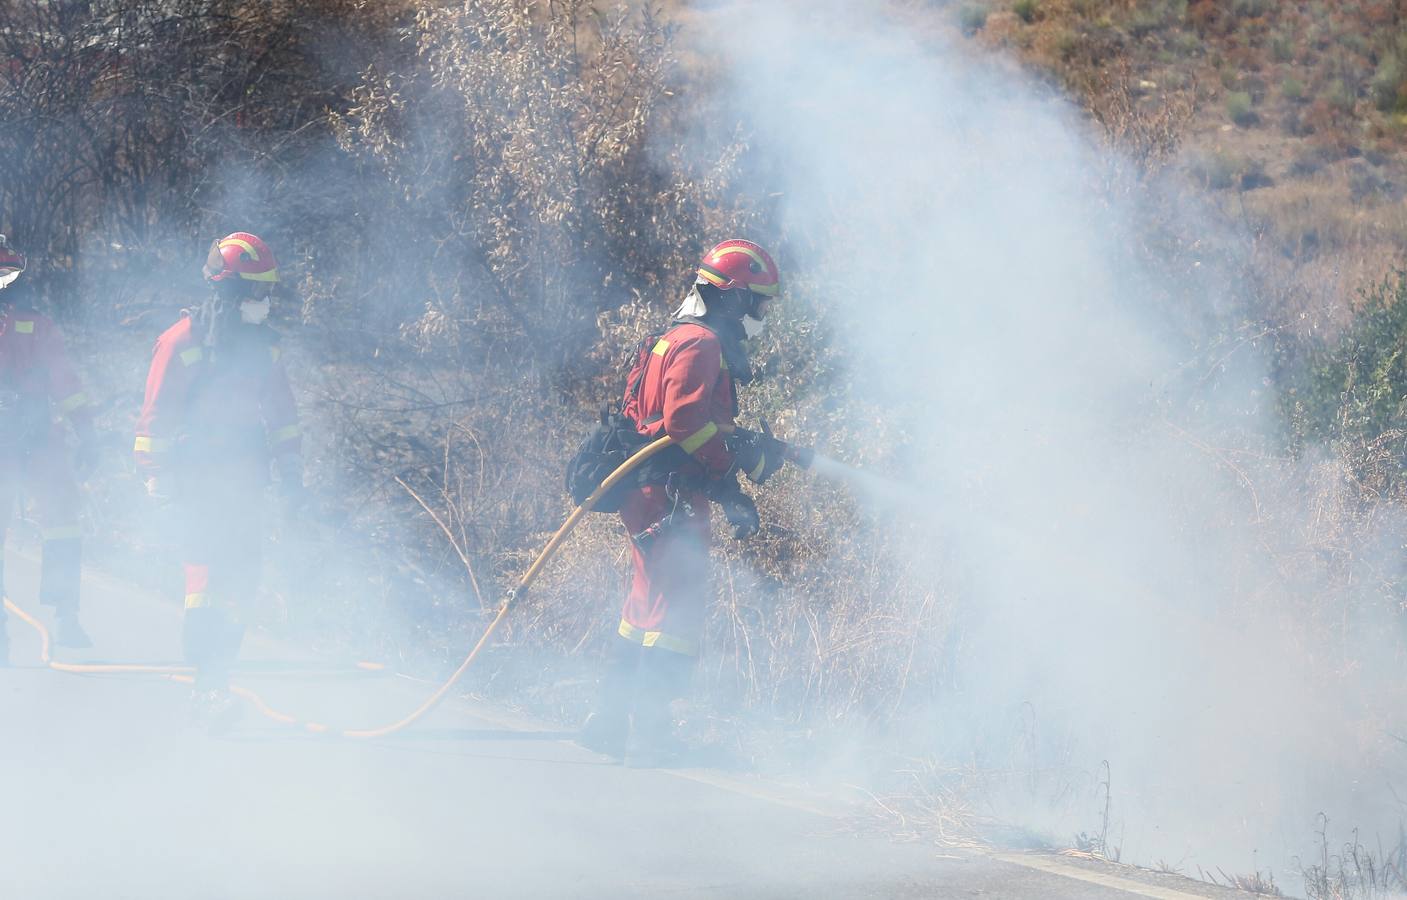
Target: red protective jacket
(34,365)
(687,392)
(223,403)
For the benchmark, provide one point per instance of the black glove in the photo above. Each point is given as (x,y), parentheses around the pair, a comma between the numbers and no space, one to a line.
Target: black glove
(756,455)
(738,508)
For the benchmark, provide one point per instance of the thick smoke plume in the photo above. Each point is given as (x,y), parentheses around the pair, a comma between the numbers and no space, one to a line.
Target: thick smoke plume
(1113,567)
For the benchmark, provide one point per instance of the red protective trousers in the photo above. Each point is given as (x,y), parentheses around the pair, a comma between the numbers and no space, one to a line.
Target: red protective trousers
(669,587)
(42,477)
(38,381)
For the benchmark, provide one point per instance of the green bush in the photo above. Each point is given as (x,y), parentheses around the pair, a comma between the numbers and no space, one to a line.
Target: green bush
(972,18)
(1026,10)
(1356,388)
(1152,17)
(1240,108)
(1249,9)
(1292,89)
(1218,170)
(1387,84)
(1340,96)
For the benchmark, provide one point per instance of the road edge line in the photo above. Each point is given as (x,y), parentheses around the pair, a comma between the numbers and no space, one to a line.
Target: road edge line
(1052,866)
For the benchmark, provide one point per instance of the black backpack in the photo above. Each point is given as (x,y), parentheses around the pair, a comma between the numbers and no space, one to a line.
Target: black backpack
(614,440)
(605,449)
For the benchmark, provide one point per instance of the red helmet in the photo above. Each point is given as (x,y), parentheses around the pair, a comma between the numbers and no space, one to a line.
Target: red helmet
(241,254)
(12,261)
(741,264)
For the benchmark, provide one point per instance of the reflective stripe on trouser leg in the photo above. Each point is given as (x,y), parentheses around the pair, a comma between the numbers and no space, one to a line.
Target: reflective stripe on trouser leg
(657,640)
(54,494)
(669,590)
(61,570)
(222,537)
(210,630)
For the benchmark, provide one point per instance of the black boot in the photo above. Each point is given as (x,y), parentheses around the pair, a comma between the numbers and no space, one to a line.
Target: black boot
(664,677)
(69,632)
(607,729)
(604,734)
(60,569)
(215,709)
(210,638)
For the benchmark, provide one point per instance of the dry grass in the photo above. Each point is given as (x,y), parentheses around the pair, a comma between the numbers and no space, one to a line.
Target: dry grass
(1321,218)
(523,236)
(1356,872)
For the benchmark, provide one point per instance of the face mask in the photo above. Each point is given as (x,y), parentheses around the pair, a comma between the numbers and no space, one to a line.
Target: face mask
(8,278)
(752,321)
(254,312)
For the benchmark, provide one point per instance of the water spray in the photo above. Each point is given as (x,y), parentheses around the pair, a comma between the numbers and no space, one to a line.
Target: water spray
(875,486)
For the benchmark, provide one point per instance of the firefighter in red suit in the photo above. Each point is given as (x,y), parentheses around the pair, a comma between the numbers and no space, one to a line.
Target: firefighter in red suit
(37,385)
(685,387)
(218,410)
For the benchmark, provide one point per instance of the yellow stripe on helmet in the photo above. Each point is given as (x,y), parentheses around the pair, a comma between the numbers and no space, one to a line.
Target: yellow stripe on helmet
(712,278)
(243,245)
(757,257)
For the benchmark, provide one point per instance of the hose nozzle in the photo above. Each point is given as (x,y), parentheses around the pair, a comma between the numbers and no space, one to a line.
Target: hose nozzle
(802,457)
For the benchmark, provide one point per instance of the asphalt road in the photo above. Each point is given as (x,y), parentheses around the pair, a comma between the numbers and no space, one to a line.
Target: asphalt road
(107,791)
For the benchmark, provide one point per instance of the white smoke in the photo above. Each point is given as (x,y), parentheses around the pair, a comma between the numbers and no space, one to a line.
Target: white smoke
(1113,579)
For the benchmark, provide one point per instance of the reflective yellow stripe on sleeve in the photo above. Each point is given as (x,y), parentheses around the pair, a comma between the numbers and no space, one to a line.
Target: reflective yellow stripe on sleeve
(286,433)
(192,356)
(195,601)
(145,444)
(657,639)
(661,347)
(757,472)
(73,402)
(696,440)
(24,327)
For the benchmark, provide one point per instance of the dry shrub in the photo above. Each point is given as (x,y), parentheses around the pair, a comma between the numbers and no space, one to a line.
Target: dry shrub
(512,151)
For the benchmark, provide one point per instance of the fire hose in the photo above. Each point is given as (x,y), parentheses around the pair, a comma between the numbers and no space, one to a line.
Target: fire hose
(516,594)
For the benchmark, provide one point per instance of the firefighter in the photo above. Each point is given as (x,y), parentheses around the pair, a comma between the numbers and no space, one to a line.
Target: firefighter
(684,386)
(218,410)
(37,385)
